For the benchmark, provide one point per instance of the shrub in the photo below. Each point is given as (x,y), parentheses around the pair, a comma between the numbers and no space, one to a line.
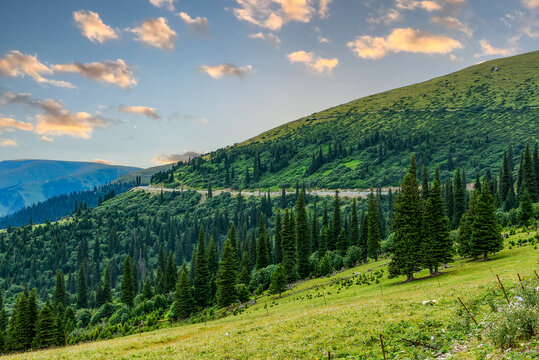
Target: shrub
(83,317)
(353,256)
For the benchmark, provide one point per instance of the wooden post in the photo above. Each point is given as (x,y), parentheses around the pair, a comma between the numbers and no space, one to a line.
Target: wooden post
(520,281)
(465,308)
(383,350)
(506,298)
(329,355)
(537,276)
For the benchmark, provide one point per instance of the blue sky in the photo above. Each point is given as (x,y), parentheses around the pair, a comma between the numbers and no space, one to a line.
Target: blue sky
(142,82)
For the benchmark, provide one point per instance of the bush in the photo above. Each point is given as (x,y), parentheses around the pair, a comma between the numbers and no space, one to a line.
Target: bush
(243,293)
(104,312)
(262,277)
(83,317)
(324,266)
(120,316)
(353,256)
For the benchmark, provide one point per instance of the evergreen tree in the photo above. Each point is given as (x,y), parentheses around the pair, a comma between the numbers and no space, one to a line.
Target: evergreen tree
(342,242)
(373,231)
(107,287)
(506,179)
(170,273)
(407,225)
(323,243)
(437,247)
(128,292)
(60,293)
(45,330)
(315,231)
(536,165)
(278,238)
(245,269)
(335,222)
(227,275)
(364,238)
(288,245)
(20,334)
(528,176)
(486,233)
(354,225)
(425,184)
(33,312)
(450,202)
(202,276)
(210,193)
(147,290)
(278,282)
(302,237)
(526,209)
(82,289)
(466,225)
(184,304)
(459,198)
(262,259)
(3,314)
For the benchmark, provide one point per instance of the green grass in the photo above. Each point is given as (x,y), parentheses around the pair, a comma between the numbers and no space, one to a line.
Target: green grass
(347,323)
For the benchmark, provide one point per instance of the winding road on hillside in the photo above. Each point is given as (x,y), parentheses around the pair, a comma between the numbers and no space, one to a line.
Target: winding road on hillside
(349,193)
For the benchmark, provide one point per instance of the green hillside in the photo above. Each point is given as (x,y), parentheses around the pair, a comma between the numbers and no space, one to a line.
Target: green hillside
(465,116)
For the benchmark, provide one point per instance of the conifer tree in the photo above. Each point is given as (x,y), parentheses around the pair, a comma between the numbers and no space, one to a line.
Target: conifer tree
(459,199)
(202,276)
(302,237)
(33,311)
(425,184)
(536,165)
(107,287)
(245,269)
(20,334)
(354,225)
(373,231)
(278,282)
(213,256)
(323,243)
(437,247)
(128,293)
(506,179)
(3,314)
(45,330)
(450,202)
(407,225)
(262,259)
(82,289)
(210,193)
(342,242)
(227,275)
(170,273)
(486,234)
(147,290)
(335,222)
(528,175)
(315,231)
(466,225)
(60,293)
(278,238)
(364,238)
(288,245)
(526,209)
(184,304)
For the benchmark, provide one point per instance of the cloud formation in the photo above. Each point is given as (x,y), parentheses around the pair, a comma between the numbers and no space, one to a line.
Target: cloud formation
(17,64)
(141,110)
(531,4)
(167,4)
(452,23)
(54,120)
(156,33)
(9,124)
(386,16)
(314,63)
(8,142)
(414,4)
(271,38)
(46,138)
(403,39)
(487,50)
(273,14)
(219,71)
(199,25)
(164,159)
(323,40)
(113,72)
(92,27)
(101,161)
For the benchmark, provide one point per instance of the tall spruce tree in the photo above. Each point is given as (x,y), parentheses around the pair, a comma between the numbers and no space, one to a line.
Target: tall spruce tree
(227,276)
(459,199)
(60,294)
(184,304)
(466,225)
(170,273)
(288,245)
(302,237)
(437,246)
(425,184)
(335,222)
(127,287)
(323,243)
(82,289)
(315,230)
(354,225)
(107,287)
(45,329)
(528,175)
(364,238)
(202,276)
(262,259)
(486,233)
(278,238)
(407,225)
(278,280)
(526,209)
(147,290)
(373,231)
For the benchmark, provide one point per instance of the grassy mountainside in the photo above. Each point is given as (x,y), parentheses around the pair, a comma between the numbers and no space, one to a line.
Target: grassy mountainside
(25,182)
(346,319)
(468,116)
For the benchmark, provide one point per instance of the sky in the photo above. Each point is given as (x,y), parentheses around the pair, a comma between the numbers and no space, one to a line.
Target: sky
(149,82)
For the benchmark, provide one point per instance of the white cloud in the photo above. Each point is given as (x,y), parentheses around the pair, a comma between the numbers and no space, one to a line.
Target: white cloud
(218,71)
(414,4)
(488,50)
(101,161)
(314,63)
(141,110)
(9,124)
(404,39)
(174,158)
(452,23)
(93,27)
(199,25)
(17,64)
(8,142)
(323,40)
(530,4)
(156,33)
(46,138)
(273,14)
(113,72)
(387,16)
(167,4)
(271,38)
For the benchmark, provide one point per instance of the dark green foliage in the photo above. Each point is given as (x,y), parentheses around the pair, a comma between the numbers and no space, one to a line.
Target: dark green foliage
(278,257)
(21,328)
(354,225)
(60,294)
(184,304)
(342,242)
(526,209)
(373,228)
(459,198)
(302,237)
(82,289)
(466,226)
(262,251)
(486,233)
(147,289)
(335,223)
(107,288)
(170,273)
(364,237)
(527,170)
(202,276)
(46,334)
(288,245)
(278,280)
(127,287)
(407,224)
(227,275)
(3,314)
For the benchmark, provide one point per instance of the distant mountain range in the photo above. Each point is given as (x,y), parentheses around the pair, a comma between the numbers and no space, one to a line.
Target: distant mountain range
(25,182)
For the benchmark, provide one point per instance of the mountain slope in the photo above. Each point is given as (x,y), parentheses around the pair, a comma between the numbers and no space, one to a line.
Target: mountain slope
(25,182)
(458,120)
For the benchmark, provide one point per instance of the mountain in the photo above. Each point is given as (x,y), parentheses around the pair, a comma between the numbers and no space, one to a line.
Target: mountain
(145,175)
(25,182)
(465,119)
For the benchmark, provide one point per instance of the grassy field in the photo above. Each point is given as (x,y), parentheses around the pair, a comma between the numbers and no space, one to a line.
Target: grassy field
(346,319)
